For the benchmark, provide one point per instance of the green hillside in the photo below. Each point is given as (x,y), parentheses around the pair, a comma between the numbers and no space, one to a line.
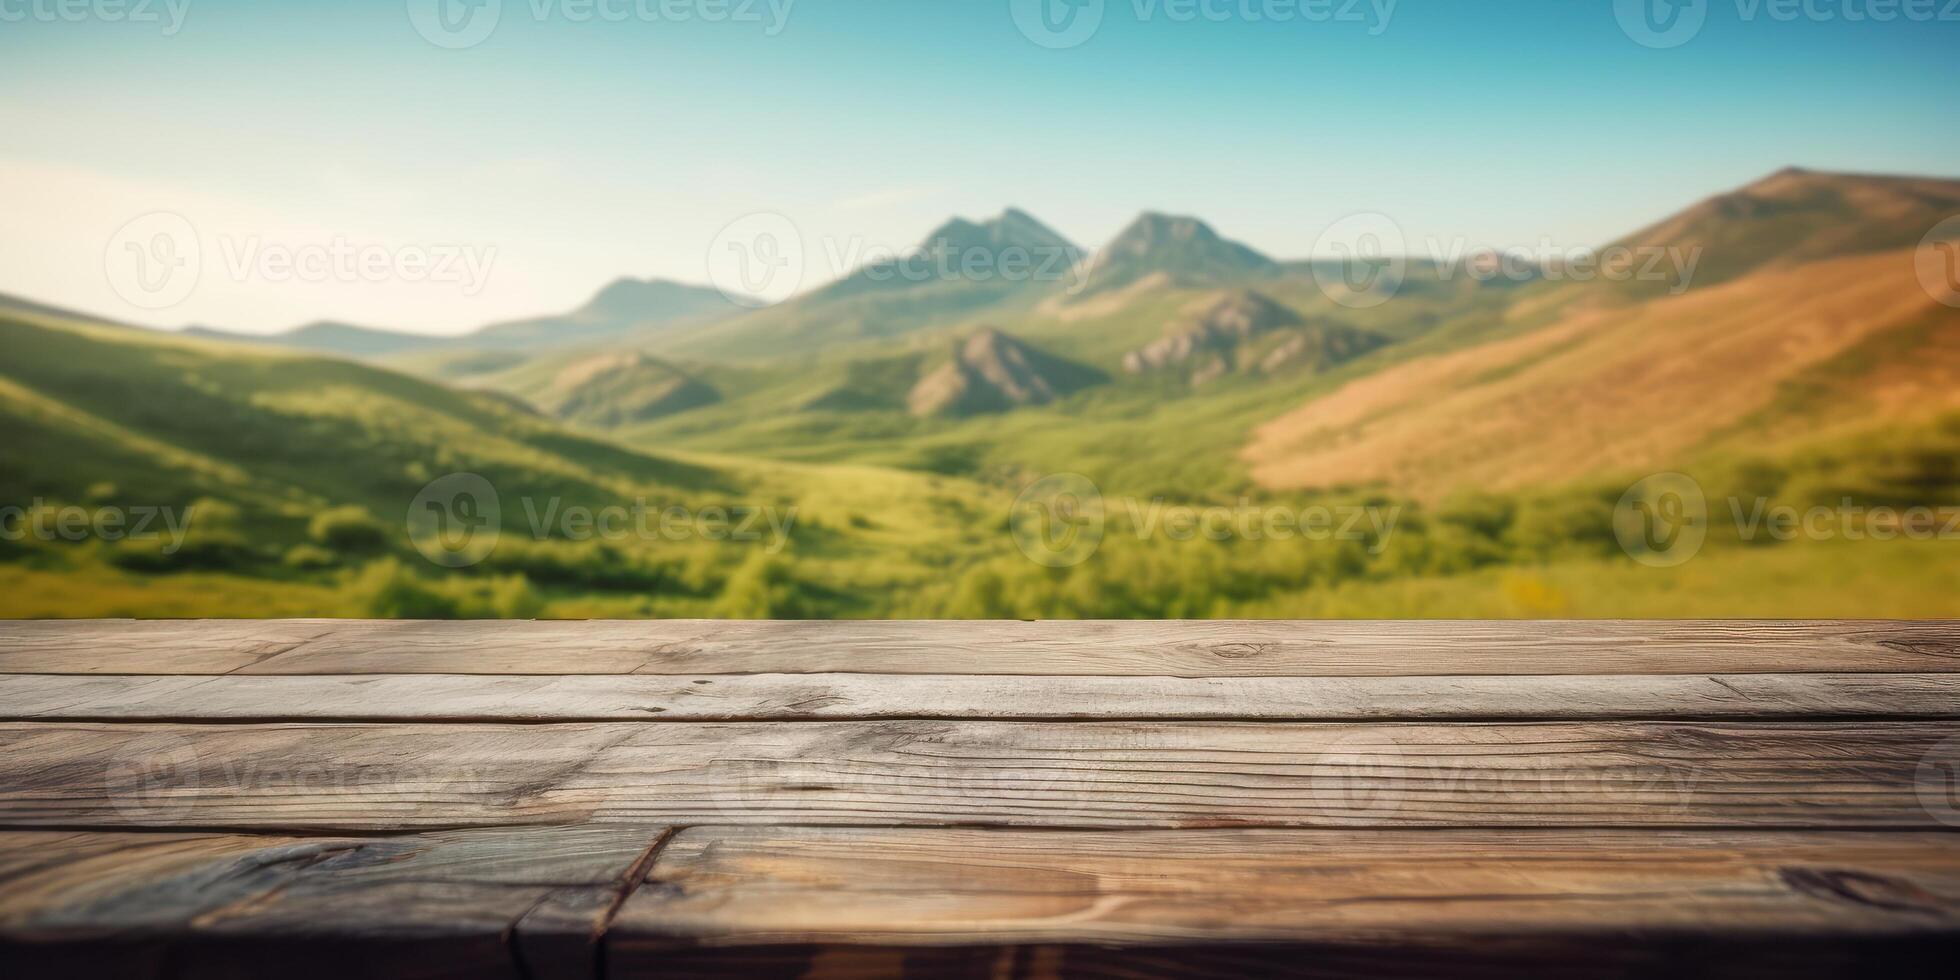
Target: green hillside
(1487,426)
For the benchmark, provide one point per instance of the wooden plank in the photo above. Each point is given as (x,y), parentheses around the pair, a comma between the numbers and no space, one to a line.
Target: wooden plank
(842,697)
(1094,774)
(123,646)
(1190,649)
(783,901)
(462,904)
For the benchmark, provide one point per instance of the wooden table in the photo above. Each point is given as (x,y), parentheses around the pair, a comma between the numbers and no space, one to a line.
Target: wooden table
(548,800)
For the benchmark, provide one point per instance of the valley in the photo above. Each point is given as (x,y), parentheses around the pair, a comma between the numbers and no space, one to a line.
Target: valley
(894,418)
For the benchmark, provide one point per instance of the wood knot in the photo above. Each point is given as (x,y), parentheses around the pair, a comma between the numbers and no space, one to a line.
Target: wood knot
(1863,889)
(1240,651)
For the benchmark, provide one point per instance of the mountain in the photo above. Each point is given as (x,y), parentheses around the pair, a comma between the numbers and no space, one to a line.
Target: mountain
(610,390)
(1242,331)
(1806,317)
(990,371)
(622,306)
(960,270)
(1178,251)
(1795,216)
(154,418)
(22,307)
(1010,249)
(329,337)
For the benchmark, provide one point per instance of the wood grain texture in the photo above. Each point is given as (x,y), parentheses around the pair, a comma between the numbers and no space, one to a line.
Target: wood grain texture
(122,646)
(459,904)
(842,697)
(1189,649)
(1094,774)
(887,902)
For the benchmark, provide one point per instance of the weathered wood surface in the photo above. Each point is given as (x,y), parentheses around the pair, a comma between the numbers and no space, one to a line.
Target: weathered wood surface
(1089,774)
(1185,649)
(761,887)
(549,800)
(847,697)
(472,903)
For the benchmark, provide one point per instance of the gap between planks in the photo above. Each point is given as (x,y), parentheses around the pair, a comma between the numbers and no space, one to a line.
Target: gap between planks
(436,698)
(1185,649)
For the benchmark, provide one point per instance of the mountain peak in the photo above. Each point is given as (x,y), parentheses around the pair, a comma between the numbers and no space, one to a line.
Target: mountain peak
(1011,228)
(1182,247)
(1798,215)
(992,371)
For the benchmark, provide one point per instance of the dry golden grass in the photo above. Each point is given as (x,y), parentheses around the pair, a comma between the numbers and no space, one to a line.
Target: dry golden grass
(1605,390)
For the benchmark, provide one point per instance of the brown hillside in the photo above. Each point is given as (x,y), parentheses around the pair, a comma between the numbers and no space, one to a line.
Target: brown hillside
(1630,388)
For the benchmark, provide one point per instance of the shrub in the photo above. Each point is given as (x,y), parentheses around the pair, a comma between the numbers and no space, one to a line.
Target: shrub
(386,590)
(764,587)
(348,530)
(306,557)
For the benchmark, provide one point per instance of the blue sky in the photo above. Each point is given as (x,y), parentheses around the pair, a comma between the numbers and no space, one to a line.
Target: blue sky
(582,151)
